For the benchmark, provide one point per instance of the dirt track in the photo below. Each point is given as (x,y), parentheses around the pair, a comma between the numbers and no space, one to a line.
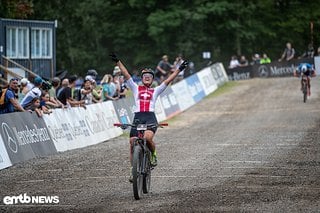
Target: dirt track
(252,149)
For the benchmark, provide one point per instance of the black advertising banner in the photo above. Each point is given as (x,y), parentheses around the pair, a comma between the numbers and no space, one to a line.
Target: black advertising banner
(278,69)
(25,136)
(273,69)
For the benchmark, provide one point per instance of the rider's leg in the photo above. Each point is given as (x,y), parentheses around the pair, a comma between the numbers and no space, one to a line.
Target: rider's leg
(131,147)
(148,135)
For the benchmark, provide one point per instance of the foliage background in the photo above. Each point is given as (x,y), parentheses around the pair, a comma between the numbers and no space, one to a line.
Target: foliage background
(140,32)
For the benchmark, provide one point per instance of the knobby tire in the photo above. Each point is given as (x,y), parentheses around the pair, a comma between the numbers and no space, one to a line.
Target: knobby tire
(137,172)
(147,175)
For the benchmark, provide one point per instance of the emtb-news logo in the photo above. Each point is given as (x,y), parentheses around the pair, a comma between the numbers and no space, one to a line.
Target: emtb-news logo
(26,199)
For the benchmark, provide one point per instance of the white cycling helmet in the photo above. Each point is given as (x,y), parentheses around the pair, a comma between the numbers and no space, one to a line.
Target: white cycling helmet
(304,68)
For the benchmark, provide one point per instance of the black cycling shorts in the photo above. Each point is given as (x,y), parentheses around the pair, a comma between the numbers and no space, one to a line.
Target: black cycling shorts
(143,118)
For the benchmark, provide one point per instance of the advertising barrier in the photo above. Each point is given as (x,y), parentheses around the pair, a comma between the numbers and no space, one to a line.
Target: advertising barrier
(207,80)
(195,88)
(273,69)
(124,109)
(78,127)
(4,157)
(25,136)
(169,103)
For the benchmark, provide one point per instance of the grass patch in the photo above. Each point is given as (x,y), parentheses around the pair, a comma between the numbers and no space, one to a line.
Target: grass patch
(224,89)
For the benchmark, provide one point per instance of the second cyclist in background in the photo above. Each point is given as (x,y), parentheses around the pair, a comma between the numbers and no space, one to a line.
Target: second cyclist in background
(307,70)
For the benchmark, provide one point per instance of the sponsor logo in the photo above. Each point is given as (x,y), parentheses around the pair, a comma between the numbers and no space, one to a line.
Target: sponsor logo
(9,137)
(26,199)
(15,138)
(263,71)
(278,71)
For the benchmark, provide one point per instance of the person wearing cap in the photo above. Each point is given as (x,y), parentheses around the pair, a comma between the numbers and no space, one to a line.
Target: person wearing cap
(34,92)
(24,89)
(11,101)
(163,69)
(145,100)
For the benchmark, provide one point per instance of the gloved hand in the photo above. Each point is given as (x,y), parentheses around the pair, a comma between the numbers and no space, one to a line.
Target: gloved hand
(114,57)
(183,65)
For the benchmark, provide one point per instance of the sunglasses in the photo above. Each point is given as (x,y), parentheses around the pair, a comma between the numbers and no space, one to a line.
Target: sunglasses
(14,79)
(148,75)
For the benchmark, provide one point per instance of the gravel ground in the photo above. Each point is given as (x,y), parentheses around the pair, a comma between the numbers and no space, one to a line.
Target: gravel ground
(254,148)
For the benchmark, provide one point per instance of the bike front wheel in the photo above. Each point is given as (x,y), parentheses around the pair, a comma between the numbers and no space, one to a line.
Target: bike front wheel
(137,172)
(147,174)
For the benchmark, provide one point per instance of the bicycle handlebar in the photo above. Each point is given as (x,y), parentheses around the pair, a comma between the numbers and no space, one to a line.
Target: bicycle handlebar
(125,126)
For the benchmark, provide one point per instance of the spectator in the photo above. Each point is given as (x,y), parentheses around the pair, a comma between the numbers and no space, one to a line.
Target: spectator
(53,101)
(135,77)
(33,93)
(108,88)
(44,103)
(176,65)
(255,59)
(23,88)
(116,84)
(233,62)
(91,74)
(318,51)
(163,69)
(309,53)
(288,53)
(265,59)
(191,68)
(65,95)
(96,92)
(64,84)
(11,103)
(123,87)
(116,71)
(86,92)
(34,105)
(243,62)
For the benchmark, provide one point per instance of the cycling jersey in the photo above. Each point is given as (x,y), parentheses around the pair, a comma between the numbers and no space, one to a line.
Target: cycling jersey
(145,97)
(309,69)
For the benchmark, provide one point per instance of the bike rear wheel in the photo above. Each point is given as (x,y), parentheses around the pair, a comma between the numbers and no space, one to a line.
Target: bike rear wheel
(137,176)
(147,174)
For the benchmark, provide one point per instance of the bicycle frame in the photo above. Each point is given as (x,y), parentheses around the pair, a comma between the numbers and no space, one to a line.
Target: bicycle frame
(143,170)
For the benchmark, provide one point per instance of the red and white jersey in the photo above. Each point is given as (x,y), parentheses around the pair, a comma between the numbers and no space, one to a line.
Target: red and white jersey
(145,97)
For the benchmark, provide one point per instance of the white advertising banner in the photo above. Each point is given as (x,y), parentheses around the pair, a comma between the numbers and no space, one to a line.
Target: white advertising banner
(207,80)
(78,127)
(159,111)
(184,97)
(4,157)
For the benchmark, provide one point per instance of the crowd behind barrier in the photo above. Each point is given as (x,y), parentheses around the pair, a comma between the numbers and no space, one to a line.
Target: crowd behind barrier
(273,69)
(25,135)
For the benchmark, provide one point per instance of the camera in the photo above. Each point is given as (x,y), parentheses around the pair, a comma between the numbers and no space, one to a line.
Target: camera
(46,85)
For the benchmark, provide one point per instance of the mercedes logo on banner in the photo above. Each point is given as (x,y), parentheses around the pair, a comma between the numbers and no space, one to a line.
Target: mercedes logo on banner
(9,138)
(263,71)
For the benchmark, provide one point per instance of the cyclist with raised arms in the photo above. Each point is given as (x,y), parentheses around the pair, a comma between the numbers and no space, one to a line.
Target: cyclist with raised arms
(305,69)
(145,99)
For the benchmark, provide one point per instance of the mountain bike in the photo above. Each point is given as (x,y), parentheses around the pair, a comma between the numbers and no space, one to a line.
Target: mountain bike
(141,165)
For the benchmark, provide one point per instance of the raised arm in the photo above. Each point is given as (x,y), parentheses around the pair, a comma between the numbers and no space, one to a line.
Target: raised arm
(176,72)
(123,69)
